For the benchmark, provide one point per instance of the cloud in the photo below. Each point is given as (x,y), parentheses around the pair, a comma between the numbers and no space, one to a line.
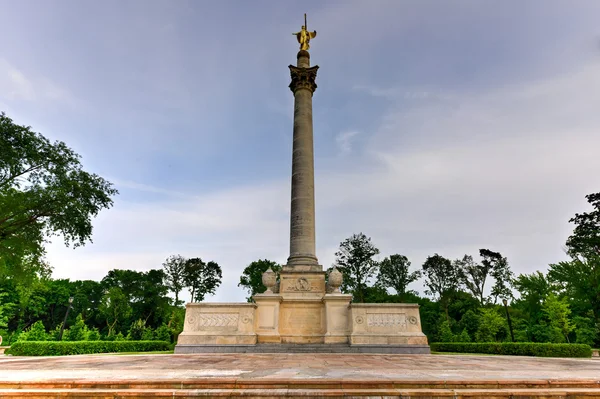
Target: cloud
(503,169)
(344,141)
(16,85)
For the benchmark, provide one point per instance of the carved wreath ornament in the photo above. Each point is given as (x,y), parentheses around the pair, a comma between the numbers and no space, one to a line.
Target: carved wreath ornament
(302,284)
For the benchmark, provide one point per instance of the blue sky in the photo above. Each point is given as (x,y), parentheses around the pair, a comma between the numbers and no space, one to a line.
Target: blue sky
(439,126)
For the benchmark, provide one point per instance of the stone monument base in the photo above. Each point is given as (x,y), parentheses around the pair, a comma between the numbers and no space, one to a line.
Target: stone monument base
(304,316)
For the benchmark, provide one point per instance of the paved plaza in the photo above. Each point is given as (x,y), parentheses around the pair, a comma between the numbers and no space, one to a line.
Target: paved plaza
(287,375)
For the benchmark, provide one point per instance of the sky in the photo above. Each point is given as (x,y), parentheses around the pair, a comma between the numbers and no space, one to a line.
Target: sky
(439,127)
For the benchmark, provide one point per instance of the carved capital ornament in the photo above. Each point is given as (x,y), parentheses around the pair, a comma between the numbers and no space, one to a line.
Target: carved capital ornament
(303,78)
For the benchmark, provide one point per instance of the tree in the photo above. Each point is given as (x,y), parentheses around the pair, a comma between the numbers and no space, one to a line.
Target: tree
(492,327)
(557,310)
(533,290)
(251,278)
(114,308)
(174,268)
(355,260)
(394,273)
(441,279)
(78,331)
(472,275)
(145,292)
(201,278)
(44,192)
(475,275)
(5,309)
(579,280)
(585,240)
(500,271)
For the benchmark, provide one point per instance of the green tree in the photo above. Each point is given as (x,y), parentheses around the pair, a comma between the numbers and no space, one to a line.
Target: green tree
(5,309)
(137,330)
(533,290)
(174,268)
(492,326)
(251,278)
(394,273)
(441,279)
(93,334)
(37,332)
(115,308)
(472,275)
(579,280)
(586,330)
(585,240)
(201,278)
(355,260)
(464,336)
(43,192)
(558,312)
(445,333)
(163,333)
(78,331)
(501,273)
(145,292)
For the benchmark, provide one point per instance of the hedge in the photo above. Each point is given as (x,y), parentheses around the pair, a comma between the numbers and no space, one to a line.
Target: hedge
(59,348)
(515,349)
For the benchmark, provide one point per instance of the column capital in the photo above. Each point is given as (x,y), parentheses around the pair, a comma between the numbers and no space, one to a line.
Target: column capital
(303,78)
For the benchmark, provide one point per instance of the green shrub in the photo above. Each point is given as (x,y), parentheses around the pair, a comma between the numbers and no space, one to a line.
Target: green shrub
(445,332)
(93,335)
(163,333)
(516,349)
(56,348)
(136,331)
(77,332)
(148,334)
(464,336)
(37,332)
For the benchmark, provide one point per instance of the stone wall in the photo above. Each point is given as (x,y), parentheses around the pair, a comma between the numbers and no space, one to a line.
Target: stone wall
(386,323)
(218,324)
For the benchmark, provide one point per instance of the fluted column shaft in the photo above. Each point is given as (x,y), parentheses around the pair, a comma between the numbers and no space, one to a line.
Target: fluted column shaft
(302,220)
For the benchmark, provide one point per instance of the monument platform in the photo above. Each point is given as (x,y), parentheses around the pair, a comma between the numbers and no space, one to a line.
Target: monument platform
(297,375)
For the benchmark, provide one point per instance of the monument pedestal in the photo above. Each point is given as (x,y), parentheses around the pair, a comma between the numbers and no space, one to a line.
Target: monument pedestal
(305,315)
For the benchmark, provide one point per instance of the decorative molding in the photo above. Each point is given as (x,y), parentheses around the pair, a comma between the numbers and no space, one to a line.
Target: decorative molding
(302,284)
(359,320)
(218,320)
(412,320)
(303,78)
(386,319)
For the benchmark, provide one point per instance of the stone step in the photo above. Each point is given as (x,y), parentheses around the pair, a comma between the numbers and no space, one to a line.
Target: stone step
(565,393)
(223,383)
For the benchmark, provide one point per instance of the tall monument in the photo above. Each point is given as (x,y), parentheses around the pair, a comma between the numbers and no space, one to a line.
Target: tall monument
(300,308)
(302,216)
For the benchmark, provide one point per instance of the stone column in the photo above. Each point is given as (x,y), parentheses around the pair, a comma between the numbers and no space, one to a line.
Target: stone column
(302,224)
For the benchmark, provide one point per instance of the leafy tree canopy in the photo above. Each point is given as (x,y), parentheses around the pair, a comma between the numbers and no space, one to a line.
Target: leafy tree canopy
(201,278)
(355,260)
(394,273)
(251,278)
(585,240)
(44,192)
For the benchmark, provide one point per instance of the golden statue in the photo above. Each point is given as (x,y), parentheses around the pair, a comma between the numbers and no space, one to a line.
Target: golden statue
(304,36)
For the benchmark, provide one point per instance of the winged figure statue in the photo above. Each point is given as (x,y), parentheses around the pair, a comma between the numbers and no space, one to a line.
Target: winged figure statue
(304,36)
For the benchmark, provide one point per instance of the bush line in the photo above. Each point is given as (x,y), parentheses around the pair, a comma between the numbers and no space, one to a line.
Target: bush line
(60,348)
(515,349)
